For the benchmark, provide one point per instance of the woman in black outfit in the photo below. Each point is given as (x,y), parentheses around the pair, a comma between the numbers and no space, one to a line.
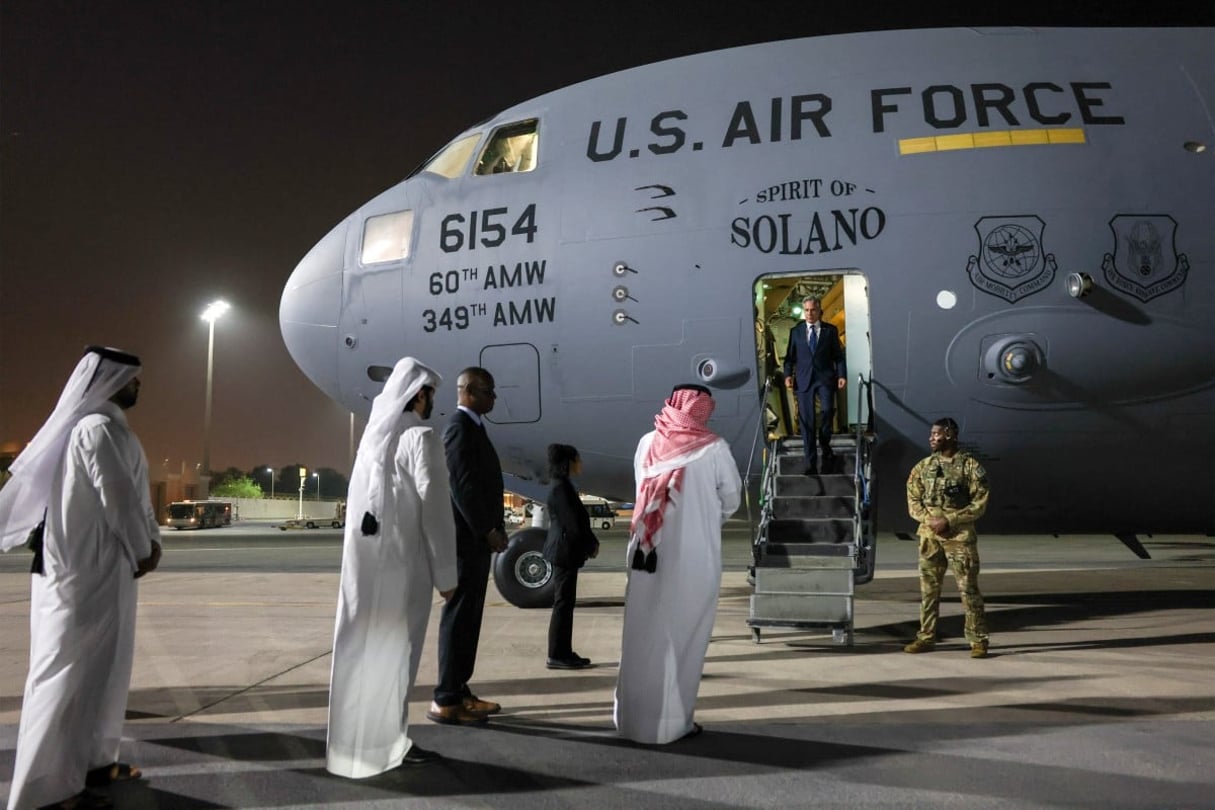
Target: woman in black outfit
(569,543)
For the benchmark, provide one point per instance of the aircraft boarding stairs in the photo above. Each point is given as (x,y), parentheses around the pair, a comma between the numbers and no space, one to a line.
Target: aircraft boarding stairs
(815,541)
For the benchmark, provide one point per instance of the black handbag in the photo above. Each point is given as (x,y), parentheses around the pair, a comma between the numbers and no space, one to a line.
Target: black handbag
(34,544)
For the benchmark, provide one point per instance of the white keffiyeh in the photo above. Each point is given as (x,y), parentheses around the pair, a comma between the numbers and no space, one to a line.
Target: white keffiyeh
(100,374)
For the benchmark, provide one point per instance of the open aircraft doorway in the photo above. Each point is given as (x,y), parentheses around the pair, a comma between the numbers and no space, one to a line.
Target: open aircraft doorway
(844,298)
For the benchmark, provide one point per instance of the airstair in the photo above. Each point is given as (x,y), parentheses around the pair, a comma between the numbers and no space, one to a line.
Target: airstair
(816,540)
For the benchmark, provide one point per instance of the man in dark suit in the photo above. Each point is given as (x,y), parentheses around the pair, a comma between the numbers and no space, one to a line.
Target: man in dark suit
(476,496)
(814,367)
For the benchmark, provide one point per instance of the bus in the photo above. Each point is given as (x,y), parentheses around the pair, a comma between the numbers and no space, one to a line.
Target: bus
(603,516)
(199,514)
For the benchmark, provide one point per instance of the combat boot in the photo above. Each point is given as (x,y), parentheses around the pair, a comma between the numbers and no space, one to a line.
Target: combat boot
(919,646)
(979,649)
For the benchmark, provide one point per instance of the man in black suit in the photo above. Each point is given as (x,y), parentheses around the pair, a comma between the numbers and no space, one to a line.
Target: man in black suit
(476,496)
(814,367)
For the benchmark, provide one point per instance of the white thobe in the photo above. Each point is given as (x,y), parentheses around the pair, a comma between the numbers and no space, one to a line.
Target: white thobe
(99,524)
(384,604)
(668,615)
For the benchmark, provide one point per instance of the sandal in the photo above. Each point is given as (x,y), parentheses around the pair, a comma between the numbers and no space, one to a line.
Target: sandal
(109,774)
(84,800)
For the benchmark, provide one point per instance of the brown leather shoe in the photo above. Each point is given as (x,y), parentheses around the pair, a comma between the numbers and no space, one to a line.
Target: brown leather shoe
(455,715)
(475,705)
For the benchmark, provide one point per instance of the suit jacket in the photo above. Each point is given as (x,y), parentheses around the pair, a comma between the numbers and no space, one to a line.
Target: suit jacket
(476,483)
(570,539)
(826,365)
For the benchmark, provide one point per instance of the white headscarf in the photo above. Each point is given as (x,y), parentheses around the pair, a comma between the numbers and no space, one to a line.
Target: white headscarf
(99,375)
(373,465)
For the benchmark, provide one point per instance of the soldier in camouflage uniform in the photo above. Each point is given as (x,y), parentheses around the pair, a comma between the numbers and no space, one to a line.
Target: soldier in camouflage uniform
(946,494)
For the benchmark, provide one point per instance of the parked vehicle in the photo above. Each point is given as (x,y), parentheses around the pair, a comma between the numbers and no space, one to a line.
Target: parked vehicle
(603,516)
(338,520)
(297,523)
(200,514)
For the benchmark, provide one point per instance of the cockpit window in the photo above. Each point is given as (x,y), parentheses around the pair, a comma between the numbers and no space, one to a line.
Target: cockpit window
(454,158)
(512,148)
(386,238)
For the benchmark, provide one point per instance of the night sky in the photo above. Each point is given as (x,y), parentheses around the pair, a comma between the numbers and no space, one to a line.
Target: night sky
(157,155)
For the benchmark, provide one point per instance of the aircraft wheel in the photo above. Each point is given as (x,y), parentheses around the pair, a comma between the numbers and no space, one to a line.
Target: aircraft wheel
(523,576)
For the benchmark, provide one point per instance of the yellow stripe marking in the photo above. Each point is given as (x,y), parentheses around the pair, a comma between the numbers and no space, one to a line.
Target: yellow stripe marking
(989,139)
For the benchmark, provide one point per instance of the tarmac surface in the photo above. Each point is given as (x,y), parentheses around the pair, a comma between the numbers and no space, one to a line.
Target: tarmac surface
(1098,692)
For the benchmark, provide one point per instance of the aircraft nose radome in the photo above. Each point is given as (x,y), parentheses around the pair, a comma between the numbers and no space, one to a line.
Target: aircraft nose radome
(309,309)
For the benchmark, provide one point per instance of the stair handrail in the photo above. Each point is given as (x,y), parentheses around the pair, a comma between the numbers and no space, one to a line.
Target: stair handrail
(862,399)
(759,431)
(766,482)
(860,478)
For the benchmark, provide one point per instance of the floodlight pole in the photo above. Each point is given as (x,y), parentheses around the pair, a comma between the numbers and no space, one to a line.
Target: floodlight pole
(212,313)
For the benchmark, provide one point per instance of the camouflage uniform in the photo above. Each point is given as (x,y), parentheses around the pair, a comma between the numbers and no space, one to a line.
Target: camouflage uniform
(956,489)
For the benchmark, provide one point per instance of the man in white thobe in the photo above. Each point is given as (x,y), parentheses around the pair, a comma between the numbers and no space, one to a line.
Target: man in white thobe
(687,485)
(82,485)
(400,545)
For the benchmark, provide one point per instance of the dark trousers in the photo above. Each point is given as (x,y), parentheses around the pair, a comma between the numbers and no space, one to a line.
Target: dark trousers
(460,628)
(825,392)
(561,624)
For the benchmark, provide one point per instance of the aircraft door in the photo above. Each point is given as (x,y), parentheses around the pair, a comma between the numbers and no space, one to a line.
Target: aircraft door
(844,298)
(516,370)
(371,329)
(857,348)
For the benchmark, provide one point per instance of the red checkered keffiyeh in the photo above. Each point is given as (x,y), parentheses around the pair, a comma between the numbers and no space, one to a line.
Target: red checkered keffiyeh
(681,428)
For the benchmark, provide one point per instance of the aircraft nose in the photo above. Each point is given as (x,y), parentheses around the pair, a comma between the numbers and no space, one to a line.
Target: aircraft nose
(309,309)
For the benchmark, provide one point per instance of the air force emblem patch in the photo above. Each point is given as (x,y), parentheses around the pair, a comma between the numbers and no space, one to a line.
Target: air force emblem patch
(1145,262)
(1011,263)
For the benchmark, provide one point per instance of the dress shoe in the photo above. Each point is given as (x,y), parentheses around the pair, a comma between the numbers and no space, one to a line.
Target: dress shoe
(919,646)
(455,715)
(475,705)
(417,755)
(811,469)
(979,649)
(573,662)
(696,730)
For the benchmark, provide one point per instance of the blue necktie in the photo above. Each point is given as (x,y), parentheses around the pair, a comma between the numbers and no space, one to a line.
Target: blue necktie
(813,338)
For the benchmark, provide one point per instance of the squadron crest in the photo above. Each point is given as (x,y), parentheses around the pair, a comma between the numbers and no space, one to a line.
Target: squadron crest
(1145,262)
(1011,263)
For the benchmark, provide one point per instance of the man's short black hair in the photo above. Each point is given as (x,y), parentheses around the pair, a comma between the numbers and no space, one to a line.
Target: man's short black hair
(950,426)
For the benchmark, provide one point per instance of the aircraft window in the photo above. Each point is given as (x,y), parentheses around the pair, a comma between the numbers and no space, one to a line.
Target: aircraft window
(451,161)
(386,238)
(511,148)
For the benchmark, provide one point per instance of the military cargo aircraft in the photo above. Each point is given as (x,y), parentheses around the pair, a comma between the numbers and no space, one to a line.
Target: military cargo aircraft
(1012,227)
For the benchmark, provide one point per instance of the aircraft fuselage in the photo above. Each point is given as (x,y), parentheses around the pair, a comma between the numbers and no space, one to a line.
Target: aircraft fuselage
(603,242)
